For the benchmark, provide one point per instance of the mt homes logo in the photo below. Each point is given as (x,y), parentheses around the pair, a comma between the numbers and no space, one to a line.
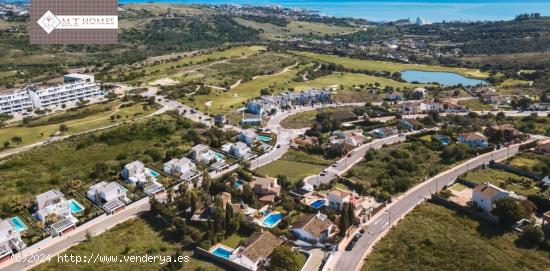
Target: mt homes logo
(73,21)
(48,22)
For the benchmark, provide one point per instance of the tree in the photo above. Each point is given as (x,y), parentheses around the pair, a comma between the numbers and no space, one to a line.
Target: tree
(63,128)
(283,259)
(509,211)
(17,140)
(533,234)
(6,144)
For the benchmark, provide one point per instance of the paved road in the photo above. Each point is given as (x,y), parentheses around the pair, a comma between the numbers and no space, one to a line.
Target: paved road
(347,162)
(514,113)
(391,214)
(54,246)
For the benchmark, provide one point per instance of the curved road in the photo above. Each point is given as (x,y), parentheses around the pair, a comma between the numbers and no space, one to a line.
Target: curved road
(380,223)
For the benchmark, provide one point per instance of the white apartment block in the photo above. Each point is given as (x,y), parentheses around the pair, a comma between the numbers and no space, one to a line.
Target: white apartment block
(75,87)
(13,102)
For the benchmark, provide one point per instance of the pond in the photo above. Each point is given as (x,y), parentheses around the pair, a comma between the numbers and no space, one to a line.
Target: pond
(443,78)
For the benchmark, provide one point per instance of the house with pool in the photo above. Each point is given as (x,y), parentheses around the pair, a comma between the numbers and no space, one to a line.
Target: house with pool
(247,136)
(253,255)
(10,239)
(204,154)
(56,212)
(137,174)
(183,168)
(313,229)
(111,197)
(473,140)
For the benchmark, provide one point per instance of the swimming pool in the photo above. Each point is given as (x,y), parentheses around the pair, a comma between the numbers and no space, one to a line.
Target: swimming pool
(18,224)
(272,220)
(318,203)
(222,252)
(264,138)
(238,183)
(219,156)
(153,173)
(75,206)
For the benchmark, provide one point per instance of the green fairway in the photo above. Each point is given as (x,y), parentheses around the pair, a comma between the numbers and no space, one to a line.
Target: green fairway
(132,238)
(436,238)
(222,101)
(349,80)
(35,134)
(373,65)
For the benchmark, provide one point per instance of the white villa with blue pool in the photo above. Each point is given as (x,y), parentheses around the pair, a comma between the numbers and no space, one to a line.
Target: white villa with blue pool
(53,202)
(136,173)
(10,239)
(247,136)
(182,167)
(203,154)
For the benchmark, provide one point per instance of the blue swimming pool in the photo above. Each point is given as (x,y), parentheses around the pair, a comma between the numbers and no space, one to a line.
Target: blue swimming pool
(153,173)
(238,183)
(318,203)
(272,220)
(75,206)
(264,138)
(18,224)
(222,252)
(219,156)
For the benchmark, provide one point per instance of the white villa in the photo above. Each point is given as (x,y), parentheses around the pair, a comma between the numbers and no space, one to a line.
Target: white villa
(183,167)
(485,195)
(337,198)
(109,196)
(52,202)
(256,251)
(136,173)
(247,136)
(203,154)
(312,228)
(240,150)
(10,239)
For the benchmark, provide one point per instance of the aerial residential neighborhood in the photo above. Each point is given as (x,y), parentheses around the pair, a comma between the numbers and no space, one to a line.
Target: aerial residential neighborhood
(278,137)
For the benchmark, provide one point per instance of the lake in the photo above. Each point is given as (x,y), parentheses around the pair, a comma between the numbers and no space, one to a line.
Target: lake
(443,78)
(388,10)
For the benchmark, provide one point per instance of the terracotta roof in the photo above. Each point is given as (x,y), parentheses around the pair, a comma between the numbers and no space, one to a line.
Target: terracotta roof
(473,136)
(261,245)
(339,193)
(488,190)
(312,224)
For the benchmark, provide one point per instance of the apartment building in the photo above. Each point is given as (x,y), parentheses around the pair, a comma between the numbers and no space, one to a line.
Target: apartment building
(15,101)
(74,88)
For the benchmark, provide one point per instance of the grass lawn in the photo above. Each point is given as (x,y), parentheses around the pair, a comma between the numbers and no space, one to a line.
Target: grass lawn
(373,65)
(529,161)
(221,101)
(35,134)
(296,165)
(476,105)
(135,237)
(521,185)
(302,258)
(234,240)
(458,187)
(433,237)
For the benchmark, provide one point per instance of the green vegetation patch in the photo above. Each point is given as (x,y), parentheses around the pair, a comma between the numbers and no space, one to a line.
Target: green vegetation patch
(295,165)
(436,238)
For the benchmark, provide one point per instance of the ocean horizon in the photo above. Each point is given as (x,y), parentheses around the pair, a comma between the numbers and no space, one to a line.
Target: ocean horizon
(391,10)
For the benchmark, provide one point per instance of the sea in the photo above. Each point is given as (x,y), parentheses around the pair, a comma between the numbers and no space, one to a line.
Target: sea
(391,10)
